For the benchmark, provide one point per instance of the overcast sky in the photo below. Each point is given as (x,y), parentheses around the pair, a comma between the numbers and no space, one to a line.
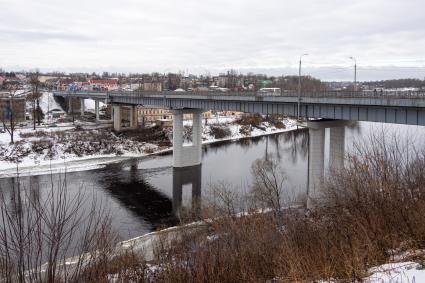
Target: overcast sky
(198,36)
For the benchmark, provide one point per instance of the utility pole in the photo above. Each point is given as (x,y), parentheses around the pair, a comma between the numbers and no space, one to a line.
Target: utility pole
(299,88)
(355,72)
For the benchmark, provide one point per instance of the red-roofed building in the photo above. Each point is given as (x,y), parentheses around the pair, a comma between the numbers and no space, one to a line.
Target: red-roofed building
(62,84)
(104,84)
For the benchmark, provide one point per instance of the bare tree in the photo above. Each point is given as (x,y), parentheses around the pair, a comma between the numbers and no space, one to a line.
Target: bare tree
(232,79)
(9,118)
(35,98)
(268,184)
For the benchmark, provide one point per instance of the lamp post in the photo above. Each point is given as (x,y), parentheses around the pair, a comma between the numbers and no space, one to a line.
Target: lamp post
(299,88)
(355,72)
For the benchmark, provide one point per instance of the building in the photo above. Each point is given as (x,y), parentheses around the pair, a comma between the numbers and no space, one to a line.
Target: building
(153,86)
(63,84)
(10,105)
(151,115)
(107,84)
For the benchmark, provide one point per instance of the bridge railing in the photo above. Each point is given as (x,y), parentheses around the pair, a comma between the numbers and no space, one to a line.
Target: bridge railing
(366,94)
(318,94)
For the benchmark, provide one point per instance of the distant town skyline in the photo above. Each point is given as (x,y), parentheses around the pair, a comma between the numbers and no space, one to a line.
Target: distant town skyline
(386,37)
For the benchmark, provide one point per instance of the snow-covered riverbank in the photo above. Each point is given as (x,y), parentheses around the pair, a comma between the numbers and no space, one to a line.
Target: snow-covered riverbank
(60,154)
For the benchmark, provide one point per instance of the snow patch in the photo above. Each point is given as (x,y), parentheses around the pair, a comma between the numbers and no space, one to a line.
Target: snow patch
(401,272)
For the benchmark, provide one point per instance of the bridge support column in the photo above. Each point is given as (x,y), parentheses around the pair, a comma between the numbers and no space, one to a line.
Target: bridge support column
(70,110)
(96,110)
(187,175)
(116,116)
(316,159)
(72,105)
(336,147)
(133,117)
(83,106)
(316,154)
(189,155)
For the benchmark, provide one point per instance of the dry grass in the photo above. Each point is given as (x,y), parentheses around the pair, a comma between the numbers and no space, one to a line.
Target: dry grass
(124,267)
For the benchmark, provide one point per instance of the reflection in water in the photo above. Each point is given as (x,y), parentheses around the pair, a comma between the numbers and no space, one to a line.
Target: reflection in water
(187,175)
(137,195)
(297,143)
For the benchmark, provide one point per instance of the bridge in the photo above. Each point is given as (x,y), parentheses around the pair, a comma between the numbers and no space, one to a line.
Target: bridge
(322,110)
(400,108)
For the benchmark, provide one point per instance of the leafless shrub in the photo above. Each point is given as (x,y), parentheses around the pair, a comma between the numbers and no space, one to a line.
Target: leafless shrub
(40,146)
(36,134)
(220,131)
(149,150)
(222,201)
(245,130)
(187,133)
(253,120)
(383,189)
(276,120)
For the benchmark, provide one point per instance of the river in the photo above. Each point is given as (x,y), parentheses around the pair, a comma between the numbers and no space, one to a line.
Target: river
(139,192)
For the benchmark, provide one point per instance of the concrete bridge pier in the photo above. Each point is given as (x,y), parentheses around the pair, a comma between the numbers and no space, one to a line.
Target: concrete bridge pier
(96,110)
(70,109)
(133,117)
(187,155)
(316,155)
(336,147)
(83,106)
(316,160)
(73,104)
(116,116)
(183,176)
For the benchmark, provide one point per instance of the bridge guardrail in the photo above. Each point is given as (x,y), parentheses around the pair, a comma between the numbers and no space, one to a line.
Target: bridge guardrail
(260,96)
(322,94)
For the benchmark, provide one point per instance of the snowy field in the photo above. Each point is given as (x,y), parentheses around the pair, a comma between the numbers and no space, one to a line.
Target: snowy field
(401,272)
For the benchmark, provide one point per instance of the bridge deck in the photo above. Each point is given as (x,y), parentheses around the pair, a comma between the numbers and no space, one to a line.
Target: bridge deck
(386,107)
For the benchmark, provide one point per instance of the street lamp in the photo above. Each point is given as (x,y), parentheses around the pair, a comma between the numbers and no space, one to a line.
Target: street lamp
(299,88)
(355,72)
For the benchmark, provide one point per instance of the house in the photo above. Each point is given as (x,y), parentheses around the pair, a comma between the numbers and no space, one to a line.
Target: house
(151,115)
(21,77)
(7,105)
(153,86)
(105,84)
(62,84)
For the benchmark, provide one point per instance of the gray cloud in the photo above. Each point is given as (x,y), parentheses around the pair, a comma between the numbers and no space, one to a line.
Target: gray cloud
(10,35)
(168,35)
